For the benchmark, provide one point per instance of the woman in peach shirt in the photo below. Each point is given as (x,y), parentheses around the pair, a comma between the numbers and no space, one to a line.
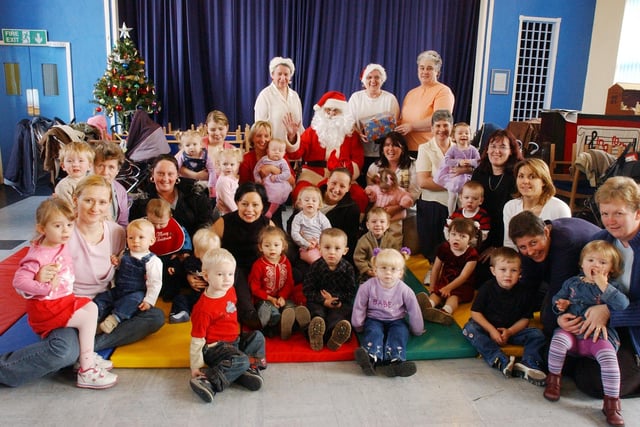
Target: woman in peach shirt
(420,103)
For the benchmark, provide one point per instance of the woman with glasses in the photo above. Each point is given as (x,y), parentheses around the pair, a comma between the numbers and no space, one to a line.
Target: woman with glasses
(495,173)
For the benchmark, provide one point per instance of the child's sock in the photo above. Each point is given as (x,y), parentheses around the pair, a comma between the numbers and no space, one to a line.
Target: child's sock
(87,360)
(433,304)
(447,308)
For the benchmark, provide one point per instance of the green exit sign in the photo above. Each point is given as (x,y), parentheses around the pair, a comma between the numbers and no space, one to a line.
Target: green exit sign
(24,37)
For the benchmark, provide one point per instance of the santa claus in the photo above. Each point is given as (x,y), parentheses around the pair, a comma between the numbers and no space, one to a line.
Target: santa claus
(329,143)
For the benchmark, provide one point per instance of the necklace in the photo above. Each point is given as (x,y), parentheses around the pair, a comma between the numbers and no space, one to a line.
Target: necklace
(494,188)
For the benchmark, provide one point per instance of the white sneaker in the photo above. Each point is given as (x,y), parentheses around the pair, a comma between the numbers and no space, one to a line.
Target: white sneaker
(96,378)
(180,317)
(100,362)
(427,278)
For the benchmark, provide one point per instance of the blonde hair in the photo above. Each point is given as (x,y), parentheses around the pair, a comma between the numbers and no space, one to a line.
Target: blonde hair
(607,250)
(257,126)
(216,256)
(277,141)
(143,225)
(273,231)
(539,169)
(218,117)
(158,207)
(91,181)
(310,189)
(390,257)
(229,153)
(189,134)
(79,148)
(53,206)
(619,188)
(204,240)
(107,150)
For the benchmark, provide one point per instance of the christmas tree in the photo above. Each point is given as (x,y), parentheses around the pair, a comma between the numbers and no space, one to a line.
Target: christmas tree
(124,86)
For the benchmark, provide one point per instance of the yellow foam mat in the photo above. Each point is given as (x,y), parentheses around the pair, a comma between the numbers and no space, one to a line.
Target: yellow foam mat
(167,348)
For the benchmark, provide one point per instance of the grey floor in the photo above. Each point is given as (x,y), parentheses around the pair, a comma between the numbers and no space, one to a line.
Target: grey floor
(459,392)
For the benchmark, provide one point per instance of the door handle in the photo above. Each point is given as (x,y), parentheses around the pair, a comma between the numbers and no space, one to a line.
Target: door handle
(33,102)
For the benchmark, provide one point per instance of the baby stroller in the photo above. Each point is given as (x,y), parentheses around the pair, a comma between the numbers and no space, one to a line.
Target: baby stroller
(621,167)
(144,142)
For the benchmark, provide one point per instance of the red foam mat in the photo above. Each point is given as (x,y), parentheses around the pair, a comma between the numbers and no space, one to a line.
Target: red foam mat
(297,349)
(12,305)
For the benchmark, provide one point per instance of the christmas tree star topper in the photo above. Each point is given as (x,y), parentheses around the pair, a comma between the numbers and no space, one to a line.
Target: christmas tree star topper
(124,31)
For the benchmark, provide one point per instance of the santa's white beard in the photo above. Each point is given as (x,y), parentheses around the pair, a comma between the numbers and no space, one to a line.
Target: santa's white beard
(331,130)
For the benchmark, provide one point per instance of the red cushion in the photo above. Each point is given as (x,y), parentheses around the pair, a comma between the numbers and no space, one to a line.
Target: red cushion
(13,305)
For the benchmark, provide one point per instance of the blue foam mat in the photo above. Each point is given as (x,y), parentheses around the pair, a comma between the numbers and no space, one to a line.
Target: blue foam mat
(20,335)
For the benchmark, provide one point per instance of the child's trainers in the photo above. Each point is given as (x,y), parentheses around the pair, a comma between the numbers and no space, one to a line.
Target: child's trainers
(180,317)
(533,375)
(340,334)
(202,387)
(250,379)
(303,317)
(316,333)
(437,315)
(399,368)
(365,361)
(109,324)
(505,367)
(96,378)
(99,361)
(287,318)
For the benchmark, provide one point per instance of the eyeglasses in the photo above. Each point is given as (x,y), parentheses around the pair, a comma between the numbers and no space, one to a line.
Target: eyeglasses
(499,147)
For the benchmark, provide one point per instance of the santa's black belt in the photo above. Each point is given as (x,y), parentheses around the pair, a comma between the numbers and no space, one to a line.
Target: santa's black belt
(316,164)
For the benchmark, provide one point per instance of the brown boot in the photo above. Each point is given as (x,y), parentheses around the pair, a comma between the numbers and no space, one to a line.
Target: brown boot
(552,390)
(611,409)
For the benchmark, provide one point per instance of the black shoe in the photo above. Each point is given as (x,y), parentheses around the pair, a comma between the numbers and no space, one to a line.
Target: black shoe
(250,379)
(365,361)
(202,387)
(399,368)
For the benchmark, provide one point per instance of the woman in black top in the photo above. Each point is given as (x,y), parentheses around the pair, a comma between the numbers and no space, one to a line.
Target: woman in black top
(495,173)
(238,232)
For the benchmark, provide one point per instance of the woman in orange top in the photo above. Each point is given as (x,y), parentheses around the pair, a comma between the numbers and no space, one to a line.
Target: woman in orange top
(420,102)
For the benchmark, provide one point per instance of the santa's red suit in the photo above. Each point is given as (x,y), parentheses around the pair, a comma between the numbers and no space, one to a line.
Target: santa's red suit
(318,161)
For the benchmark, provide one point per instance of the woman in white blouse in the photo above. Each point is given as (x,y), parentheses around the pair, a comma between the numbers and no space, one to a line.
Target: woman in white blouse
(535,193)
(278,104)
(370,101)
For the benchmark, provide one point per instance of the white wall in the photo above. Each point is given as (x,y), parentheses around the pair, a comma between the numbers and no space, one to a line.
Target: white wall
(605,39)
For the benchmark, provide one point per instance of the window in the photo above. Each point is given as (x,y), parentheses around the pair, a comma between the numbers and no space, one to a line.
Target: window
(12,78)
(535,66)
(628,64)
(50,79)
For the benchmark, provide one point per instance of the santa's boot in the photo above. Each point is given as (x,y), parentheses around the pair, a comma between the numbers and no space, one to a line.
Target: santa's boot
(611,409)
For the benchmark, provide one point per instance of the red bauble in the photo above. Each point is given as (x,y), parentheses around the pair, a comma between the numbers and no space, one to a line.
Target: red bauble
(118,107)
(98,109)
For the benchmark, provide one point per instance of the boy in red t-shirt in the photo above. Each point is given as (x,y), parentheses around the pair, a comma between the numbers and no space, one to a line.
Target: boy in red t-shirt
(219,356)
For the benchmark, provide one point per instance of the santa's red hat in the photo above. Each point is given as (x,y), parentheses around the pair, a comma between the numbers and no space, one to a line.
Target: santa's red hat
(332,99)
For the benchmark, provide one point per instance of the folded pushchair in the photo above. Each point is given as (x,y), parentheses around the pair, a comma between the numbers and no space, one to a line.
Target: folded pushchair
(621,167)
(144,142)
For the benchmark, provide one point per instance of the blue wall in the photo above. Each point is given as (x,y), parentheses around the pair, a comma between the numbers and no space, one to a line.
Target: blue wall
(573,51)
(76,21)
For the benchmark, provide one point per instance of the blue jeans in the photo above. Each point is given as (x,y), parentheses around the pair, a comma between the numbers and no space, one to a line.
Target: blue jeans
(532,339)
(128,331)
(123,305)
(386,339)
(60,349)
(251,345)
